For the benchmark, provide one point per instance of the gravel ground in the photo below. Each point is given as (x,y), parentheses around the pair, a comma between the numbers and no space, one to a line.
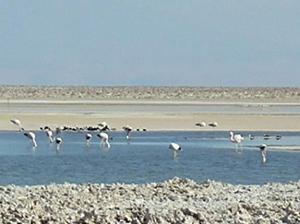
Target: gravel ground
(173,201)
(149,93)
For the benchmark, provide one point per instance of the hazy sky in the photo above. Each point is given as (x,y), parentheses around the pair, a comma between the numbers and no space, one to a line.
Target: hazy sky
(138,42)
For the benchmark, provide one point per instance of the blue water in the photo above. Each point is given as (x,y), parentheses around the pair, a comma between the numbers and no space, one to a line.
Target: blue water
(145,158)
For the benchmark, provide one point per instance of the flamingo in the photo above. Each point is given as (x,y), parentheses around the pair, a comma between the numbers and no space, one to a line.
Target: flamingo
(58,141)
(236,139)
(31,136)
(251,137)
(88,138)
(175,148)
(263,150)
(127,129)
(213,124)
(104,126)
(201,124)
(17,122)
(49,134)
(104,139)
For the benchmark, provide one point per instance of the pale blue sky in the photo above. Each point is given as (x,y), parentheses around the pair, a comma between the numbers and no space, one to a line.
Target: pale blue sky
(138,42)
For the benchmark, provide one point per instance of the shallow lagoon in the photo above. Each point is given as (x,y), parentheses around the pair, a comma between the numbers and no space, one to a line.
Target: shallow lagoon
(146,158)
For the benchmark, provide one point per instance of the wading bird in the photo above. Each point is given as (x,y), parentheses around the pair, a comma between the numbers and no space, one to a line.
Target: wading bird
(31,136)
(127,129)
(263,150)
(236,139)
(104,139)
(58,141)
(175,149)
(251,137)
(88,138)
(49,134)
(17,122)
(104,126)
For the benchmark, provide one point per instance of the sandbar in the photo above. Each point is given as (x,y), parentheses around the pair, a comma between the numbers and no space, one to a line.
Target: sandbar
(152,108)
(158,115)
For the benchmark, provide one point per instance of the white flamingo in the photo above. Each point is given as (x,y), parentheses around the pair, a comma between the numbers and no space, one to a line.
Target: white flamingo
(263,150)
(104,139)
(213,124)
(58,141)
(31,136)
(49,134)
(127,129)
(104,126)
(88,138)
(175,149)
(17,122)
(201,124)
(236,139)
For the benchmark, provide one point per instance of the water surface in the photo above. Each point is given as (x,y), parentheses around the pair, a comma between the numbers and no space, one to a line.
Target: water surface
(146,158)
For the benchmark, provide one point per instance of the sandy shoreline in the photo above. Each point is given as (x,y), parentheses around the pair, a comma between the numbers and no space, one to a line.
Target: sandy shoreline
(157,115)
(155,122)
(152,108)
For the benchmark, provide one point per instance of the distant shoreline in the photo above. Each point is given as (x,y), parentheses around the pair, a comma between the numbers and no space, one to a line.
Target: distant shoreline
(155,102)
(206,94)
(80,115)
(152,108)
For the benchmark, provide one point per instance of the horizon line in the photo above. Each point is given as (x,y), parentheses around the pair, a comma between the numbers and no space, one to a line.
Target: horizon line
(151,86)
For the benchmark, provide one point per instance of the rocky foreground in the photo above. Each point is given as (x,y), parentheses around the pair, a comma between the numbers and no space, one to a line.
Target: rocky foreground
(173,201)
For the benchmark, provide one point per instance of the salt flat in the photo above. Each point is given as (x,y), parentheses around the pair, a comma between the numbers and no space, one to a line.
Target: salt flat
(154,108)
(173,201)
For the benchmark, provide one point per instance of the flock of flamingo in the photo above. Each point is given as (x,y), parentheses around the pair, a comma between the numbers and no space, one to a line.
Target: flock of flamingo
(238,138)
(55,137)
